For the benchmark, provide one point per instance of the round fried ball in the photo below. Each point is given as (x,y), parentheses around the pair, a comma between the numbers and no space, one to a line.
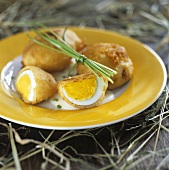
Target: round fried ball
(113,56)
(35,85)
(83,91)
(47,59)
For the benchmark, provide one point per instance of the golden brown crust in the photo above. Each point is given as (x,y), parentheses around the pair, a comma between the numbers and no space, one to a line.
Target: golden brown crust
(113,56)
(80,78)
(46,85)
(49,60)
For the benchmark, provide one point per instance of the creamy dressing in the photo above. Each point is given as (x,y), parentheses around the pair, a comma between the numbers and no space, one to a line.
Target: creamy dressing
(16,65)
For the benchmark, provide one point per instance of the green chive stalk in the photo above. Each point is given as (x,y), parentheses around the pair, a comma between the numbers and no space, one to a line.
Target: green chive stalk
(63,47)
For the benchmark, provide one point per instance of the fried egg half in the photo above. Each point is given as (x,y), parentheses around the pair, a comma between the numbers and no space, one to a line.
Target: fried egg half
(35,85)
(83,91)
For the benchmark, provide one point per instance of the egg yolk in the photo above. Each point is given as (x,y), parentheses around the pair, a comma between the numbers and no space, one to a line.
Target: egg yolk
(24,85)
(81,90)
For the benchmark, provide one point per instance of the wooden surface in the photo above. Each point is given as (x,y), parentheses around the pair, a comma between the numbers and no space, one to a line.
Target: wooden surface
(101,148)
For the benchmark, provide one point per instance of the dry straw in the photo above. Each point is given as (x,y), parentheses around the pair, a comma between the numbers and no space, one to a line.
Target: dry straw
(131,144)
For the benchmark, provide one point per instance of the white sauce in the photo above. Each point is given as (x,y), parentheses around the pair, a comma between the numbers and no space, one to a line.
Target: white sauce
(16,65)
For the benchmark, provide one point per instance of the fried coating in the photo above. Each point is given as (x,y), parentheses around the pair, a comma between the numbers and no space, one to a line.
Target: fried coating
(83,91)
(113,56)
(47,59)
(35,85)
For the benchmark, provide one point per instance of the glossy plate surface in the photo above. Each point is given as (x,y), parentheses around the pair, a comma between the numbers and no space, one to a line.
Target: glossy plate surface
(147,84)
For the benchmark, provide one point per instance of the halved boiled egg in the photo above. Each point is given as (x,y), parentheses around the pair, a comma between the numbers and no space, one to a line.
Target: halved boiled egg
(35,85)
(83,91)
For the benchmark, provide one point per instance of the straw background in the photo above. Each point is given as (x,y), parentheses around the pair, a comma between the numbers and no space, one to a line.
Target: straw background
(141,142)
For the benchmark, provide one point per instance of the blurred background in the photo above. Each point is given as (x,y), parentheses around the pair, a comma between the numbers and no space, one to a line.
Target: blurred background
(112,147)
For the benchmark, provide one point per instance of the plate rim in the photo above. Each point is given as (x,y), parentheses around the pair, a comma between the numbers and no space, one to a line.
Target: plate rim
(159,59)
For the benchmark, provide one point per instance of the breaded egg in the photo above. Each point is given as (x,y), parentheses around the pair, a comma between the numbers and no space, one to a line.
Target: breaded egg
(34,85)
(113,56)
(83,91)
(47,59)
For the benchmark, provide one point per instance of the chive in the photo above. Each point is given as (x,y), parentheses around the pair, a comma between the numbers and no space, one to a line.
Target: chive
(55,99)
(59,106)
(62,47)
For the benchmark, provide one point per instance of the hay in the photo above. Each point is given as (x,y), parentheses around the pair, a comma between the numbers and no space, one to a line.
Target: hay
(132,144)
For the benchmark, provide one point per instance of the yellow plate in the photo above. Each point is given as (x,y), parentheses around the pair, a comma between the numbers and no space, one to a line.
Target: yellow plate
(145,87)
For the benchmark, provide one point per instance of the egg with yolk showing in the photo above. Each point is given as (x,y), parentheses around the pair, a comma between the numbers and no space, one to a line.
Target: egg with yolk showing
(83,91)
(34,85)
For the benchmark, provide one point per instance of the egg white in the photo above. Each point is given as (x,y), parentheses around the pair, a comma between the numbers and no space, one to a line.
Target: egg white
(33,83)
(93,99)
